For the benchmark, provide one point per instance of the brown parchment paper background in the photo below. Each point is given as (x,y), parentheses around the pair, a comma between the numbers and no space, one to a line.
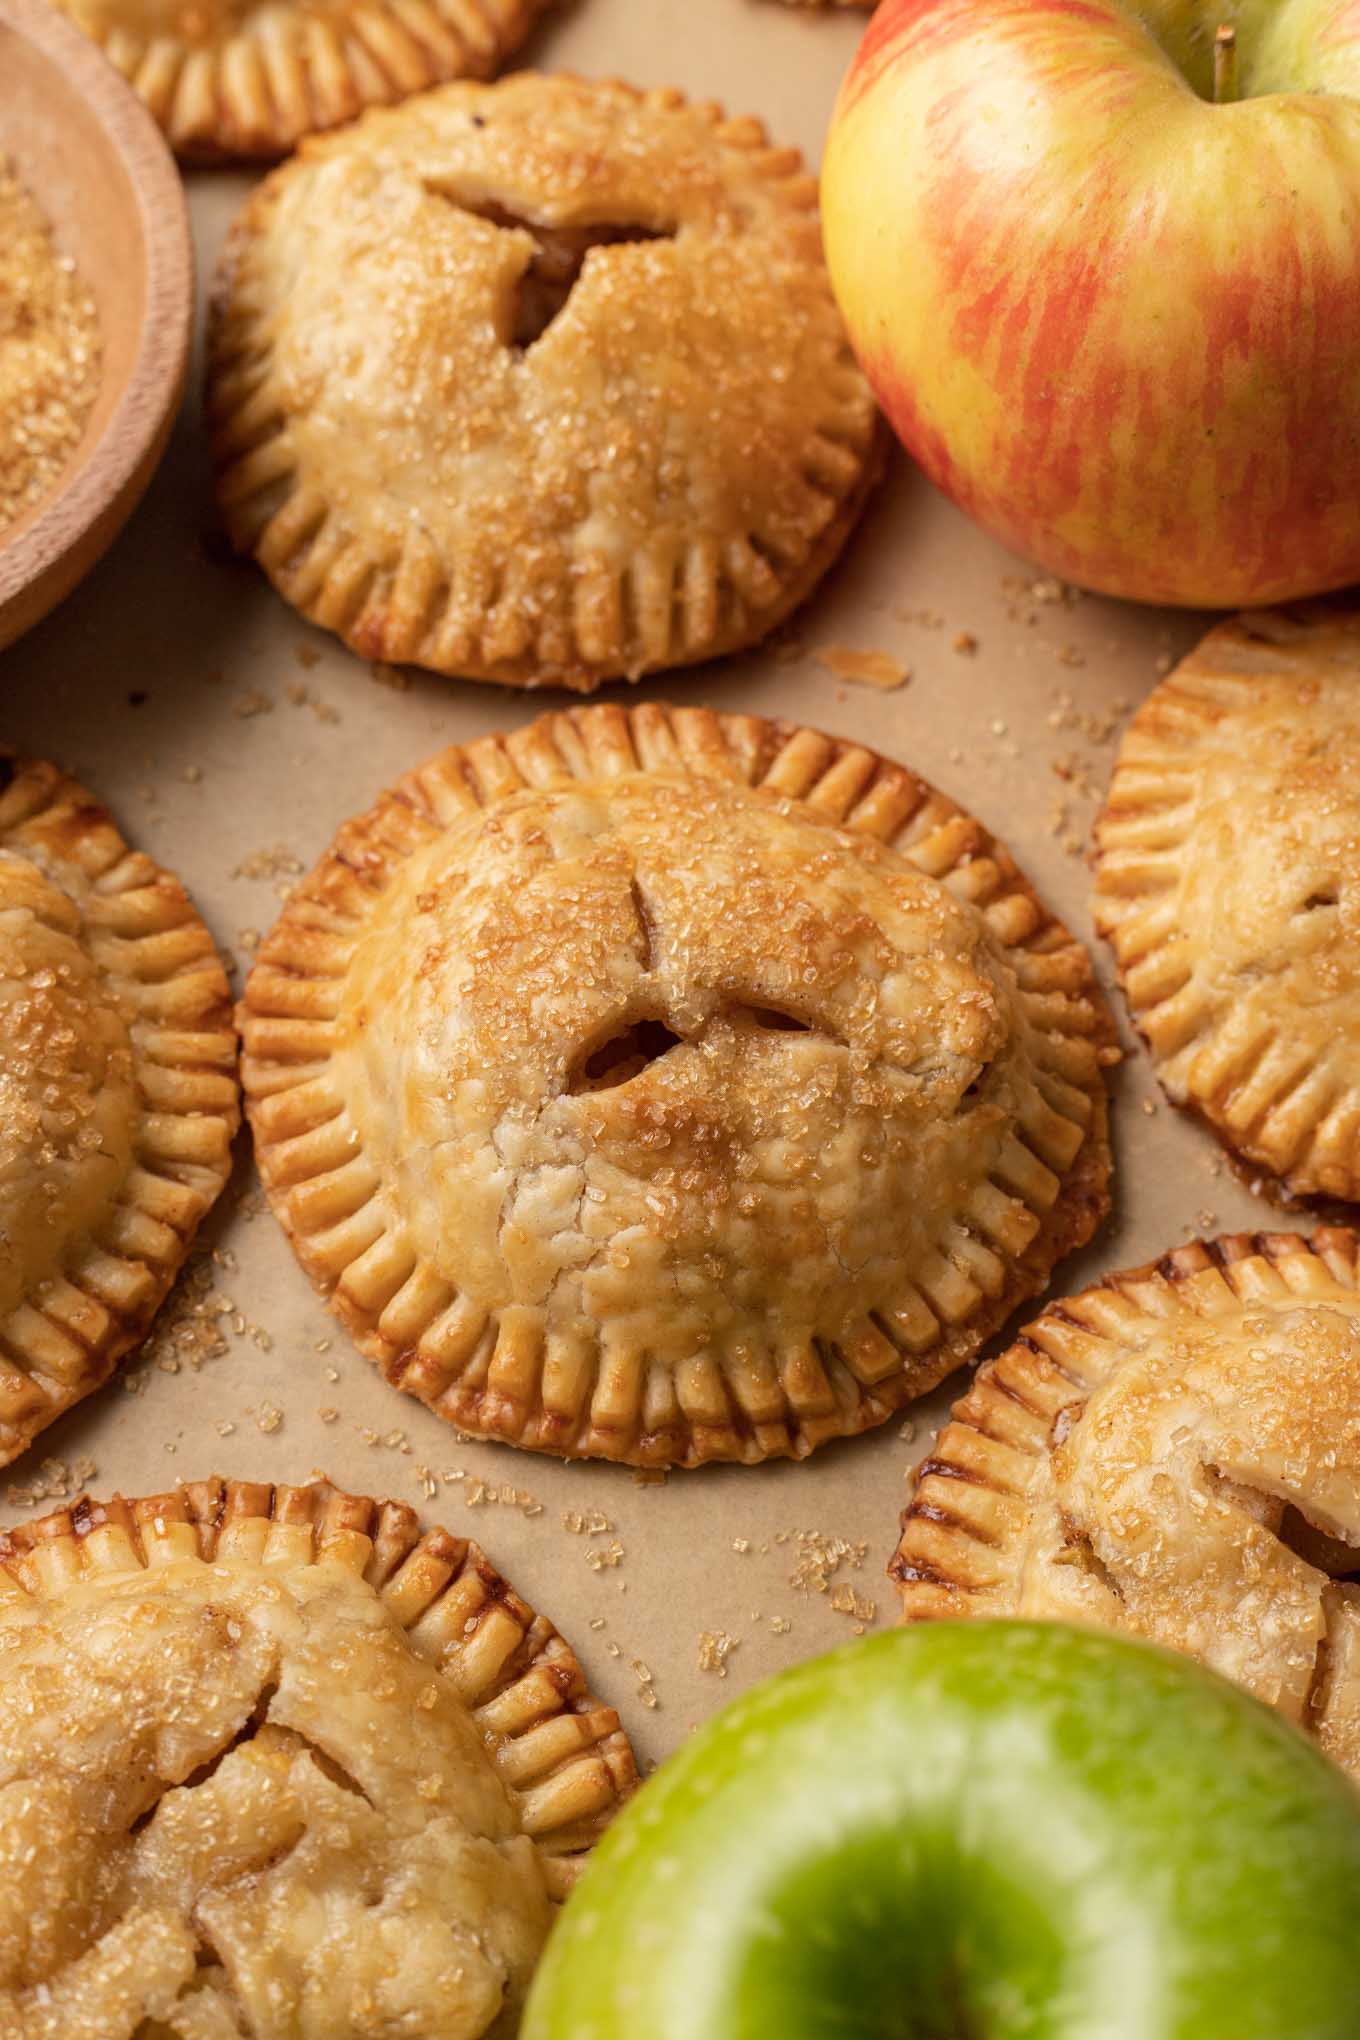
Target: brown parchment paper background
(170,681)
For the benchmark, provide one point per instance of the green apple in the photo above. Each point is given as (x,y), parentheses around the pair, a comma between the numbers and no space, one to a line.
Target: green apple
(1004,1831)
(1113,318)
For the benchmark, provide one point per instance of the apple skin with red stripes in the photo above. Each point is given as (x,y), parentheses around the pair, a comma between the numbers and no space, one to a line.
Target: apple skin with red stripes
(1117,322)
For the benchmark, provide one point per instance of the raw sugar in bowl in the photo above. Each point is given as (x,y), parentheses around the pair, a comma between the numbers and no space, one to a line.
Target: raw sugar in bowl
(96,307)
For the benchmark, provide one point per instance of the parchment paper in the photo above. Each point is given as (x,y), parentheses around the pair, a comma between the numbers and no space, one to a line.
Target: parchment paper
(230,740)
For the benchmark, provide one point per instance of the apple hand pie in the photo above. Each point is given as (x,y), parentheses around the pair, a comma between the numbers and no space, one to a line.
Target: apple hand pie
(1175,1453)
(118,1098)
(271,1764)
(1228,881)
(540,382)
(666,1086)
(238,78)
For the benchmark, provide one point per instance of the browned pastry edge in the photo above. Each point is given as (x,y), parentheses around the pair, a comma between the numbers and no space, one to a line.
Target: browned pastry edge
(254,97)
(967,1497)
(159,961)
(289,1003)
(561,1754)
(1134,842)
(386,607)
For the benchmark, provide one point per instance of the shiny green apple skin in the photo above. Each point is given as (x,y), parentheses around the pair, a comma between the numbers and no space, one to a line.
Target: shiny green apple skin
(1113,320)
(1009,1831)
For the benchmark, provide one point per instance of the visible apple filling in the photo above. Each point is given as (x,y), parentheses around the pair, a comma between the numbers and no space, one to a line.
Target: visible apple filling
(1188,1470)
(556,256)
(243,1808)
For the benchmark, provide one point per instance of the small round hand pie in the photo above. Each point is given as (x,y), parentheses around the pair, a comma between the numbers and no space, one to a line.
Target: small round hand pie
(229,78)
(540,382)
(272,1763)
(1175,1453)
(118,1096)
(1228,880)
(668,1086)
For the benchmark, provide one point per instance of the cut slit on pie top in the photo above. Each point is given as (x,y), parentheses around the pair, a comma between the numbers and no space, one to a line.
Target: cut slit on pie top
(541,382)
(118,1096)
(1174,1452)
(663,1086)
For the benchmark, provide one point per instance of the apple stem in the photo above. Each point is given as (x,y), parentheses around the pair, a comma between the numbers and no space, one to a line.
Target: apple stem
(1225,66)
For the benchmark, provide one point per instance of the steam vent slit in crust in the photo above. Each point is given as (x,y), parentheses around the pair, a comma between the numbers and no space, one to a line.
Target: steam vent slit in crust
(118,1095)
(540,382)
(250,78)
(1174,1453)
(668,1086)
(271,1758)
(1228,882)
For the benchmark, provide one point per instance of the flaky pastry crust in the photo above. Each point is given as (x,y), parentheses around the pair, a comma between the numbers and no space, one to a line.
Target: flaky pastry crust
(1175,1453)
(666,1086)
(272,1762)
(250,78)
(541,382)
(118,1097)
(1228,881)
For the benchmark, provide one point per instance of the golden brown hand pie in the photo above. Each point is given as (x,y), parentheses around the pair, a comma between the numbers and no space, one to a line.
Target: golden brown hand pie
(232,78)
(1175,1453)
(668,1086)
(273,1763)
(1228,880)
(539,382)
(118,1096)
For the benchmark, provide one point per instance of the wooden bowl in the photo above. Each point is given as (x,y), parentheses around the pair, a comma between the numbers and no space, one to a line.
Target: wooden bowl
(94,160)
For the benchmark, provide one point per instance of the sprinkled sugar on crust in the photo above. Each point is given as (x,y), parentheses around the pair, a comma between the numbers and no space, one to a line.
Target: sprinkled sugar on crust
(239,78)
(1228,882)
(118,1096)
(666,1086)
(540,382)
(275,1746)
(1175,1452)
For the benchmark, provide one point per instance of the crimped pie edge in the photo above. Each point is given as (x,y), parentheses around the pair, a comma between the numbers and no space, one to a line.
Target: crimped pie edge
(288,1000)
(158,956)
(254,96)
(406,609)
(561,1754)
(1136,841)
(968,1494)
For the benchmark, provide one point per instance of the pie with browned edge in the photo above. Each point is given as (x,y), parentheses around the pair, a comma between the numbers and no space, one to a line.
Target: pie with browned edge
(1174,1453)
(1228,882)
(272,1761)
(540,382)
(666,1086)
(118,1096)
(250,78)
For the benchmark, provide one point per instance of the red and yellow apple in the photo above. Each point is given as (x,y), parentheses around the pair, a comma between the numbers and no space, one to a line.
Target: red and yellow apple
(1116,320)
